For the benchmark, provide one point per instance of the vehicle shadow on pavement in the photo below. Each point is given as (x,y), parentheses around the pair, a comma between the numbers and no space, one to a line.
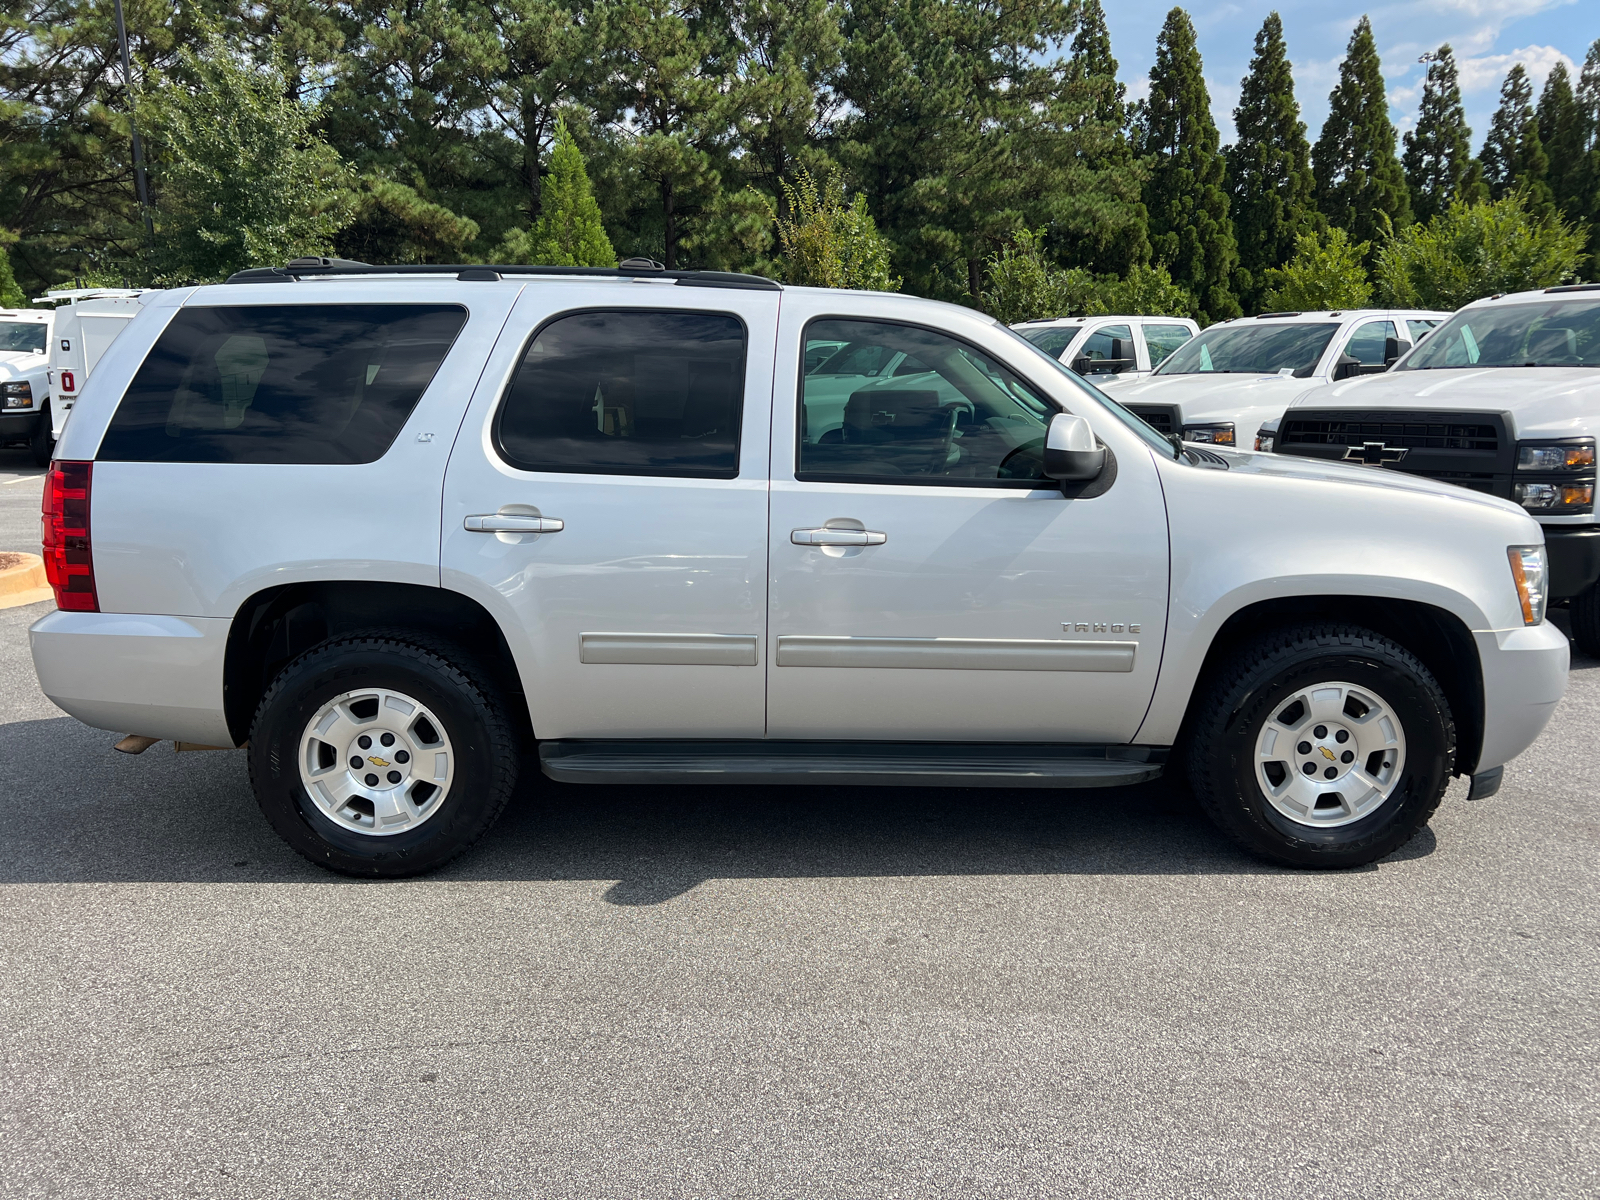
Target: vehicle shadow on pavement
(72,810)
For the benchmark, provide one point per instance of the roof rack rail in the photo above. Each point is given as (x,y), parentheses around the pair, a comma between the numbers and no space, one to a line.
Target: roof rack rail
(1574,287)
(1264,316)
(631,268)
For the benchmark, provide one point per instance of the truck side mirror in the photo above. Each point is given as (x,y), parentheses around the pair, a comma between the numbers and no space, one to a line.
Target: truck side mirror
(1071,454)
(1346,366)
(1394,349)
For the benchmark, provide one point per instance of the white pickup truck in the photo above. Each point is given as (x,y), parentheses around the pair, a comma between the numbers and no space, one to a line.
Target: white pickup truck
(24,380)
(1221,386)
(1502,399)
(392,528)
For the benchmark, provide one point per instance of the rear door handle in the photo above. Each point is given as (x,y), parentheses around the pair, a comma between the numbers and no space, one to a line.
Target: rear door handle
(837,537)
(511,523)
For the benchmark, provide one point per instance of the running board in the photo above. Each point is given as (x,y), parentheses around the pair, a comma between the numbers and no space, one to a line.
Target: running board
(905,764)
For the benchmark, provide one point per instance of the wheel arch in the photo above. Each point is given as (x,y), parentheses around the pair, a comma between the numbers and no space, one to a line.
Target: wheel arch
(278,623)
(1437,636)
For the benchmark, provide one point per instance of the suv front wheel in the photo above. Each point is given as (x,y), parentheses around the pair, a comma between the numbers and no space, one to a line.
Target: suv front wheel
(378,755)
(1321,746)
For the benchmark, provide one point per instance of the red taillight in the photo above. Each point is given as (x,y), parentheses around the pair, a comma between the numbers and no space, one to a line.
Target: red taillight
(68,564)
(68,384)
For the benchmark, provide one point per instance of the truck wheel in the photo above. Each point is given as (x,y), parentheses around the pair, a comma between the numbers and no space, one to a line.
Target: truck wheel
(43,442)
(374,755)
(1584,613)
(1321,746)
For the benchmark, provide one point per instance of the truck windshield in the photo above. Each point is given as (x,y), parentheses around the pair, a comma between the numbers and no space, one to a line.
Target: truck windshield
(1561,334)
(1252,350)
(25,336)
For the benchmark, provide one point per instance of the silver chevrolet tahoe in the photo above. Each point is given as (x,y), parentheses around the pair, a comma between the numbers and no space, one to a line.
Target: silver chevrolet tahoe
(402,532)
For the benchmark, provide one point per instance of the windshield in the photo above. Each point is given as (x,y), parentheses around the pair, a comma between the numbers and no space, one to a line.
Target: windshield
(1131,420)
(27,336)
(1051,341)
(1252,350)
(1563,334)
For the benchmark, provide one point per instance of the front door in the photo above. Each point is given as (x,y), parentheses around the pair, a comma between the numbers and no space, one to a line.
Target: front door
(606,501)
(926,582)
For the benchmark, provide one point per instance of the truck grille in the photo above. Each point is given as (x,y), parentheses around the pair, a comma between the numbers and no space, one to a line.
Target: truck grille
(1163,418)
(1469,449)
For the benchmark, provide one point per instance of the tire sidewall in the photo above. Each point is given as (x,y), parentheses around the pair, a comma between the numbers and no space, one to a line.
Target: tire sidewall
(301,692)
(1423,776)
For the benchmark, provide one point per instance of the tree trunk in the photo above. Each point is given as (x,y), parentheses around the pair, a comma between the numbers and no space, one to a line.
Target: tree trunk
(975,280)
(671,239)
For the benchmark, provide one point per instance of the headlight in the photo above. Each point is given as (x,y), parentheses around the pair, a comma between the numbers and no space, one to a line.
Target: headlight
(1561,456)
(18,395)
(1264,442)
(1553,497)
(1528,572)
(1216,435)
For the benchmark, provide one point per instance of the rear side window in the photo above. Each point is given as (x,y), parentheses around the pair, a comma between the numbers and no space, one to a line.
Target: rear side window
(630,392)
(281,384)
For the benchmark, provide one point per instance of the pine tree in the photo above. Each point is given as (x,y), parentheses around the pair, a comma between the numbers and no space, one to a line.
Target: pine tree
(1186,196)
(1360,185)
(1438,160)
(569,232)
(1561,133)
(1118,238)
(1588,181)
(1269,167)
(1513,154)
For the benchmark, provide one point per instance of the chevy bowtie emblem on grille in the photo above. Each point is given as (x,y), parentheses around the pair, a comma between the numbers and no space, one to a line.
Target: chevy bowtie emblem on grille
(1374,453)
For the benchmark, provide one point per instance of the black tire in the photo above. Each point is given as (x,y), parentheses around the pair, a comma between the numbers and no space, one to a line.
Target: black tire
(476,722)
(42,443)
(1583,611)
(1263,676)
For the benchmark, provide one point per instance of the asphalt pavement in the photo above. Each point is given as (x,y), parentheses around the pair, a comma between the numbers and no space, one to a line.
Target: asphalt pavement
(806,992)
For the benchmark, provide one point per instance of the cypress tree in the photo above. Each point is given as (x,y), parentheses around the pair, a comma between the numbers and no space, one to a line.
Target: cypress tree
(1186,195)
(1360,185)
(1269,167)
(1513,154)
(569,232)
(1438,160)
(1561,133)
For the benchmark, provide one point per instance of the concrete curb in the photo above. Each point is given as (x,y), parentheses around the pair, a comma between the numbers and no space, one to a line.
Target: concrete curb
(22,580)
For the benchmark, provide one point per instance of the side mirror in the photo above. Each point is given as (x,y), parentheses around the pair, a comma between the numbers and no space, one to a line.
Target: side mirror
(1085,365)
(1393,349)
(1070,451)
(1346,366)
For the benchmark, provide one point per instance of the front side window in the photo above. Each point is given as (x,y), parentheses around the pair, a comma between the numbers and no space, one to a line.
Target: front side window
(1562,334)
(26,337)
(628,392)
(1254,349)
(943,413)
(1163,340)
(1111,345)
(281,384)
(1366,344)
(1053,340)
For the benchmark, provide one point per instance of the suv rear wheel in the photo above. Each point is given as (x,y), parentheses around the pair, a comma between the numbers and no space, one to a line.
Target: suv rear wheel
(377,755)
(1321,746)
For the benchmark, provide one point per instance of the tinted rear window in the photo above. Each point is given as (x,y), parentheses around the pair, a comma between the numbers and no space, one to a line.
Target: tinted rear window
(283,384)
(630,392)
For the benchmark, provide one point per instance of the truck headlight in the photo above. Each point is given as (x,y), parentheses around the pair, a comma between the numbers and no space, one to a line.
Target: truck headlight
(1548,497)
(1528,572)
(1215,435)
(18,395)
(1556,456)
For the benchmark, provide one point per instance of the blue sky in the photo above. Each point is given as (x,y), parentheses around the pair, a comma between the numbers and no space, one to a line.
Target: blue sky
(1488,36)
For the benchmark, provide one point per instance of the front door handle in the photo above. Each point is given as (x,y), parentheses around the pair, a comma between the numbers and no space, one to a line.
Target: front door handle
(837,537)
(511,523)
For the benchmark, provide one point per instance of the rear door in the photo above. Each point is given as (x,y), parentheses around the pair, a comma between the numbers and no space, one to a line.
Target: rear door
(606,501)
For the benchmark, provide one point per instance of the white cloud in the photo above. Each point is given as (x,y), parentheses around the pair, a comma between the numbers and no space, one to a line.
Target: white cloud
(1488,71)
